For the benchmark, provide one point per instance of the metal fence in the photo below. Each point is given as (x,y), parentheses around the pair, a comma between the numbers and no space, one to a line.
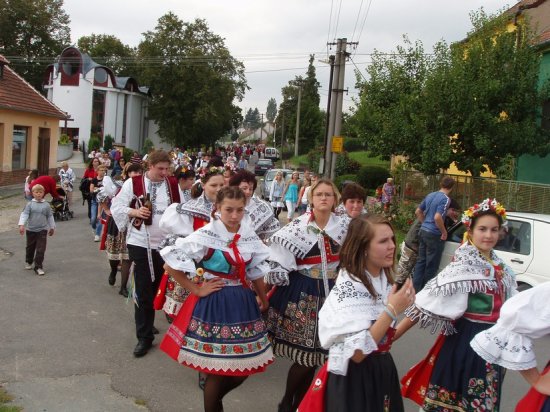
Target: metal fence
(515,196)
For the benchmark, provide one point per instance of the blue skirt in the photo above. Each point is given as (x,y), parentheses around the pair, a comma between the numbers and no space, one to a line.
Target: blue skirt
(226,334)
(292,320)
(461,380)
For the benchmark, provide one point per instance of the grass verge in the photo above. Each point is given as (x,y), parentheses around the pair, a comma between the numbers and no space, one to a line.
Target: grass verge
(6,398)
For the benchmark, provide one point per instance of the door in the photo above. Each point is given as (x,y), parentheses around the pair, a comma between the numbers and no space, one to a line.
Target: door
(43,151)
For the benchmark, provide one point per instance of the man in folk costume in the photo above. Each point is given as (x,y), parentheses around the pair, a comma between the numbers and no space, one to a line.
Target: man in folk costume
(138,207)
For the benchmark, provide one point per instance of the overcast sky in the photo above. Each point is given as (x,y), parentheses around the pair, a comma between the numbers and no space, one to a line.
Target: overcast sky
(274,38)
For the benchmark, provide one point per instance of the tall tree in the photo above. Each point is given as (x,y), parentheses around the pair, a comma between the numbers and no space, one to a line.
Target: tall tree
(475,103)
(193,78)
(271,111)
(311,118)
(108,50)
(252,119)
(32,33)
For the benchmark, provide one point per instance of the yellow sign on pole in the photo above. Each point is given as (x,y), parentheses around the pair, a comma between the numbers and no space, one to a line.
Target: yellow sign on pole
(337,144)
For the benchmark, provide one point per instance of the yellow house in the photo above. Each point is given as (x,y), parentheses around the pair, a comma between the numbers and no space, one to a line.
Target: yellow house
(29,128)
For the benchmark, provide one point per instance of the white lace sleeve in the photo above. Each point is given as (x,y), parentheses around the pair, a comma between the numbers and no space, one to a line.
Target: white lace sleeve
(523,317)
(340,354)
(183,255)
(121,205)
(258,267)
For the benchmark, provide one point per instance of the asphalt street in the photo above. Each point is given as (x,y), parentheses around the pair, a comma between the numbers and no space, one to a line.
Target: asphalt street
(66,340)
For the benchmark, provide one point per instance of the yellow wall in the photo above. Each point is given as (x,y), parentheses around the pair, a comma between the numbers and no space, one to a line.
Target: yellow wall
(9,119)
(452,170)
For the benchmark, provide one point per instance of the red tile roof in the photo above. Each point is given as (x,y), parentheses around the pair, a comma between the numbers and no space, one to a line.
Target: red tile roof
(17,94)
(544,37)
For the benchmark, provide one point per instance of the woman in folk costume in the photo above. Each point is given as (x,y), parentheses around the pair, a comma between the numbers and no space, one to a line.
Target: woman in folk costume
(186,180)
(259,212)
(523,317)
(219,330)
(115,239)
(361,373)
(462,300)
(180,220)
(303,258)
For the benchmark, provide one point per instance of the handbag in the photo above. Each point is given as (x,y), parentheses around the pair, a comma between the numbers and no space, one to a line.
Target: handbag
(314,400)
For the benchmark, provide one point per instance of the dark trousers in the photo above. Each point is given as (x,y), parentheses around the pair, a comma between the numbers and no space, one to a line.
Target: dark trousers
(36,247)
(430,249)
(146,289)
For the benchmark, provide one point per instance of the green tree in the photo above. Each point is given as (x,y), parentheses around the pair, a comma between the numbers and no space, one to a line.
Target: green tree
(193,85)
(476,102)
(108,50)
(252,120)
(311,117)
(271,111)
(32,32)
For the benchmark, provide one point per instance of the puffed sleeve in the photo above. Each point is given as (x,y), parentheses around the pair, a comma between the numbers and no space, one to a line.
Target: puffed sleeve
(176,223)
(183,254)
(281,261)
(121,205)
(524,317)
(258,267)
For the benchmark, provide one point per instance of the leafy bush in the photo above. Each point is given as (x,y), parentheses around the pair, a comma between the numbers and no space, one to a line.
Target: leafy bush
(147,146)
(340,179)
(402,215)
(64,139)
(346,165)
(353,144)
(94,143)
(108,142)
(127,154)
(370,177)
(313,157)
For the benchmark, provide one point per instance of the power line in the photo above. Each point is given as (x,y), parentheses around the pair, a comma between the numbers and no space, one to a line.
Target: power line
(329,23)
(364,21)
(357,20)
(337,19)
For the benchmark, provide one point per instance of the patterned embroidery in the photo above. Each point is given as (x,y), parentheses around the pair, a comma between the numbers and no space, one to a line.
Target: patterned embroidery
(155,186)
(200,207)
(223,331)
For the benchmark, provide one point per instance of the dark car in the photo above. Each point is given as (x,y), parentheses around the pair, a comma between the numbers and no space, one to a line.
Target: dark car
(262,166)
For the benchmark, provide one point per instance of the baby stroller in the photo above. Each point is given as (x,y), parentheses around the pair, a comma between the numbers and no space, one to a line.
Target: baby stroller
(60,206)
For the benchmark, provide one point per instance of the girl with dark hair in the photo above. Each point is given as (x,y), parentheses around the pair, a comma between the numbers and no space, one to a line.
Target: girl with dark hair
(462,300)
(259,212)
(186,179)
(219,331)
(303,258)
(361,373)
(353,200)
(182,219)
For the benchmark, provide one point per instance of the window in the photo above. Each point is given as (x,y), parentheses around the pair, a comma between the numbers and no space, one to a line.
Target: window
(19,148)
(98,112)
(100,77)
(515,238)
(124,118)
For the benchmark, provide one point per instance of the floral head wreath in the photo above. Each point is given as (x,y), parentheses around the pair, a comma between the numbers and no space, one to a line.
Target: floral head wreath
(487,204)
(209,171)
(230,166)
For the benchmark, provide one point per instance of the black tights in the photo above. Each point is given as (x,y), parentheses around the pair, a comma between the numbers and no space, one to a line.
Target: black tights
(277,211)
(217,386)
(124,271)
(297,383)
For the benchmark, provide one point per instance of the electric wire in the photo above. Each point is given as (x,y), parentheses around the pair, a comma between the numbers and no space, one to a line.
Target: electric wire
(356,21)
(329,24)
(337,20)
(363,24)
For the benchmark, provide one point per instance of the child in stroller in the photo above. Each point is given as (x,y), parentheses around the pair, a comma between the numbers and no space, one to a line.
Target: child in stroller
(60,206)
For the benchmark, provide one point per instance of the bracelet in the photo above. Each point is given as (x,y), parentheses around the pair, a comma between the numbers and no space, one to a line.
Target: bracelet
(389,305)
(391,315)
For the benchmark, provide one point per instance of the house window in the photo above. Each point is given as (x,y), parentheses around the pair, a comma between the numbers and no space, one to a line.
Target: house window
(19,148)
(69,65)
(100,77)
(124,117)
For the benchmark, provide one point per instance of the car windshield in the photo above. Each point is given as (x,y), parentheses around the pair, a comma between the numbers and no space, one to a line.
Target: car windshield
(264,162)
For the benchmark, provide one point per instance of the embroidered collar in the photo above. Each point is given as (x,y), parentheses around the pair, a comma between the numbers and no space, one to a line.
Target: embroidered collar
(200,207)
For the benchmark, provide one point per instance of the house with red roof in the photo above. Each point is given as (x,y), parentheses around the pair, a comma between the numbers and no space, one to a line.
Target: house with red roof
(29,128)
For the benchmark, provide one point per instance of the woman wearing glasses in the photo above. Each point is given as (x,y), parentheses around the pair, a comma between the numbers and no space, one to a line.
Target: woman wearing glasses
(304,258)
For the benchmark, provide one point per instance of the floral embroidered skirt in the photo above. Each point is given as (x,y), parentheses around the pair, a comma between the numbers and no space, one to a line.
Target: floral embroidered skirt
(461,380)
(115,244)
(292,320)
(226,335)
(369,386)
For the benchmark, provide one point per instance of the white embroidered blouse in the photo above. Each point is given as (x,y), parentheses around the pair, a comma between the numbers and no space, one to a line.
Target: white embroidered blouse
(346,317)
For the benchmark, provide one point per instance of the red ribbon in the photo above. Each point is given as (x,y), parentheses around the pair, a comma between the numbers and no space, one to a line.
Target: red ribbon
(241,266)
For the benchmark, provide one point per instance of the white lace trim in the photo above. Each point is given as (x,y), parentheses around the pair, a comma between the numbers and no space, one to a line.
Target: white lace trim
(505,348)
(171,306)
(227,365)
(340,353)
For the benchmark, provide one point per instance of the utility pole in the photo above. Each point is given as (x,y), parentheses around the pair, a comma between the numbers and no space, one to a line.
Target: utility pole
(282,141)
(328,131)
(332,112)
(262,129)
(298,121)
(339,102)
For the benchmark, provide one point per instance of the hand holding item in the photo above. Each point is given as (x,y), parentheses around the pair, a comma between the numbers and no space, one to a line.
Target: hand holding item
(401,299)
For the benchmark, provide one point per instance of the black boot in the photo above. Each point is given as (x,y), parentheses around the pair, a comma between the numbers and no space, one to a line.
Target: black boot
(114,270)
(123,292)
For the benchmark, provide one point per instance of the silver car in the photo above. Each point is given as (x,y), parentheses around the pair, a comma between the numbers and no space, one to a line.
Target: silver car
(265,182)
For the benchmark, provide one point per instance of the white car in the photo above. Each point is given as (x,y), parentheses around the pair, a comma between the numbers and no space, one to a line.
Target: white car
(524,247)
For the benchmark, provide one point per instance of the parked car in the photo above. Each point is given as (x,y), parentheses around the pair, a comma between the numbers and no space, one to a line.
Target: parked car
(262,166)
(265,182)
(271,153)
(523,246)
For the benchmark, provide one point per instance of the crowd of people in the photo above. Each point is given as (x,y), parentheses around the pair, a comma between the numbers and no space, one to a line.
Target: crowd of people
(323,290)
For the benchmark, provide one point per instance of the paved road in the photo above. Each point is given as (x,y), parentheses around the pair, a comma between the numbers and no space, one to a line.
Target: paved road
(66,340)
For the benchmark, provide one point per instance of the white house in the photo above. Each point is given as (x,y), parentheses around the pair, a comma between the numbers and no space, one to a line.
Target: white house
(98,102)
